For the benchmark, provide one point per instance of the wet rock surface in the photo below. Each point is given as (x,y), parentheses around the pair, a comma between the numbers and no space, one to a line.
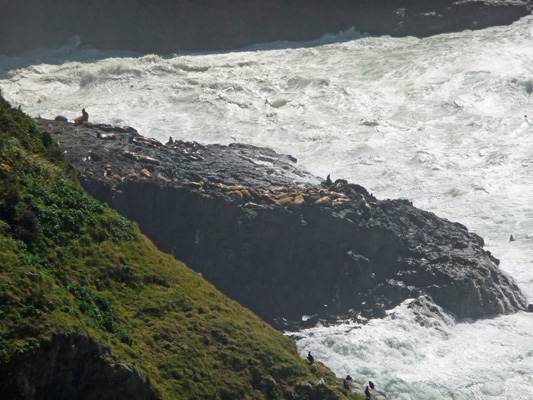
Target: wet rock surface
(170,25)
(121,153)
(280,241)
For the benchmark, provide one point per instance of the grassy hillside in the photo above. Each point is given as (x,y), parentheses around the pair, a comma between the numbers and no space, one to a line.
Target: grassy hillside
(69,263)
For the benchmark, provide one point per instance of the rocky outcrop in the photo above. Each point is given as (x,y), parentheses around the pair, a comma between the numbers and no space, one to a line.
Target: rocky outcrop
(278,241)
(170,25)
(76,367)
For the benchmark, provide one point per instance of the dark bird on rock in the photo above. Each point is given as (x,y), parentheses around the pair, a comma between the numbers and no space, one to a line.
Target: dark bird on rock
(371,384)
(328,181)
(310,358)
(367,393)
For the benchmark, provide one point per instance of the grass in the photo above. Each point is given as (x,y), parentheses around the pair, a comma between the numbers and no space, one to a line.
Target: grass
(69,263)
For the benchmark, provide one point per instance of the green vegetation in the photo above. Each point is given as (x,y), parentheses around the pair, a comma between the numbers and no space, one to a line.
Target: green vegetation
(69,263)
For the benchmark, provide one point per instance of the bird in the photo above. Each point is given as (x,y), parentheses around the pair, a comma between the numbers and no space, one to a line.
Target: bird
(367,393)
(371,384)
(310,358)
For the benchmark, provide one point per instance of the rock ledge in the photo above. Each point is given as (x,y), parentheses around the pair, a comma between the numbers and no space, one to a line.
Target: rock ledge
(276,238)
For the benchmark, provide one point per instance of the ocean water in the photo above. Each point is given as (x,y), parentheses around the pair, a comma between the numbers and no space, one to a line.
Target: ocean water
(445,121)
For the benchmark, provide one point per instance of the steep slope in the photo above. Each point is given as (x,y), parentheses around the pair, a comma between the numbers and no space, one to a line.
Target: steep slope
(89,308)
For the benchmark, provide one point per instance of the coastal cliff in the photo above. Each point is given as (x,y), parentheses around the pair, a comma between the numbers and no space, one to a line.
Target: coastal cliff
(171,25)
(90,309)
(278,240)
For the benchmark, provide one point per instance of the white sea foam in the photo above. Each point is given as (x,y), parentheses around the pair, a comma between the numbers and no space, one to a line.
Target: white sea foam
(439,121)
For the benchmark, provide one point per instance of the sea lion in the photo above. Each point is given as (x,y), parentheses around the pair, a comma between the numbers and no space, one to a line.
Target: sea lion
(150,142)
(146,173)
(61,118)
(149,160)
(161,177)
(82,118)
(106,136)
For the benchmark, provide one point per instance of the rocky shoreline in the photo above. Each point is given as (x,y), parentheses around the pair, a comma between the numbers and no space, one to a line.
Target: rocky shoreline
(173,25)
(280,241)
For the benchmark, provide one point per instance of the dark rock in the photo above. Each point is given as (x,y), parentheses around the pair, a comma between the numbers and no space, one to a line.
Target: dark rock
(76,368)
(279,250)
(169,25)
(92,156)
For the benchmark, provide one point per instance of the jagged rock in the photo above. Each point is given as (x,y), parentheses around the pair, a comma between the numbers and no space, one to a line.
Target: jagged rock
(76,368)
(351,256)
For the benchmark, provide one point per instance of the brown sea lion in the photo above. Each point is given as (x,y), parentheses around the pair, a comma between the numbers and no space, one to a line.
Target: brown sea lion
(82,118)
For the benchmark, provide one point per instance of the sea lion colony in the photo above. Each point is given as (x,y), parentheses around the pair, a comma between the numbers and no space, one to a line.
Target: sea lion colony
(141,166)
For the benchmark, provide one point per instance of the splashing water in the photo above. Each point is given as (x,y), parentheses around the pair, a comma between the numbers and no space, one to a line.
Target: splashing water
(445,121)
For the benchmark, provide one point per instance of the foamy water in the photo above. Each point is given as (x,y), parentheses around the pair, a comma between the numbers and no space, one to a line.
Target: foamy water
(439,121)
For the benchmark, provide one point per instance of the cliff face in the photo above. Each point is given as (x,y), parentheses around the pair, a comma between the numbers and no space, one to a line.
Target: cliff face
(318,259)
(73,366)
(284,251)
(170,25)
